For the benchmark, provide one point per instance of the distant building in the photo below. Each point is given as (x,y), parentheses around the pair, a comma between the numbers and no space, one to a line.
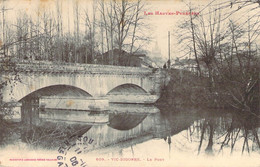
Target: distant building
(185,64)
(114,57)
(189,64)
(156,51)
(156,55)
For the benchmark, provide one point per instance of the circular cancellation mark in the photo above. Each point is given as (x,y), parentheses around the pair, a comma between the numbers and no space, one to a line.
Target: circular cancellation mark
(69,152)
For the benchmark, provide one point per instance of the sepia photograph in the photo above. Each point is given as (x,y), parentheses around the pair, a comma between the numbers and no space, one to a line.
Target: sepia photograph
(129,83)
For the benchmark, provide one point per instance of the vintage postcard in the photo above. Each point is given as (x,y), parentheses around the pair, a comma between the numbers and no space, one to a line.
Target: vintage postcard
(129,83)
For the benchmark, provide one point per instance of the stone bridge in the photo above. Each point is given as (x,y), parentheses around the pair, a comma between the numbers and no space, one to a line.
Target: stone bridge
(48,80)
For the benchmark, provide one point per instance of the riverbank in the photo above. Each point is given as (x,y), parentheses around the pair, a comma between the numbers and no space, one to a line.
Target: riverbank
(185,88)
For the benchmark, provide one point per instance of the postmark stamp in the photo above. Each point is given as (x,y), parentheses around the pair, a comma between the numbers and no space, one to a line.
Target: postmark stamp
(71,149)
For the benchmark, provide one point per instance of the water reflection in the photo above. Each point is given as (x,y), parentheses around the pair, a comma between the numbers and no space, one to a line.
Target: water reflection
(125,121)
(125,126)
(215,132)
(50,135)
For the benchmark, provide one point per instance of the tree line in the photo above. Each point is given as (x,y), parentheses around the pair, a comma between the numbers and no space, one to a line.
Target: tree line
(83,36)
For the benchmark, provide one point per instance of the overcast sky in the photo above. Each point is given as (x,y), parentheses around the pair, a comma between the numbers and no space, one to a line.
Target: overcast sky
(160,24)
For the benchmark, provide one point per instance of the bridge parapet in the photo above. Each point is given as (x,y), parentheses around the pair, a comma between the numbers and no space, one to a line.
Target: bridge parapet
(22,78)
(50,67)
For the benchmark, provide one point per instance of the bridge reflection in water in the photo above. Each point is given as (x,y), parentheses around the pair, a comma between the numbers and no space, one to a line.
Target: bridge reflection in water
(126,125)
(122,122)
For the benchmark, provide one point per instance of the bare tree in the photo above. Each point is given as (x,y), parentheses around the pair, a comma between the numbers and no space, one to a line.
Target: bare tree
(123,25)
(223,49)
(76,29)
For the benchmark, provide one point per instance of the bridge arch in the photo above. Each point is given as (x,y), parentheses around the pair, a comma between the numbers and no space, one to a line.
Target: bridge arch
(127,88)
(96,80)
(57,90)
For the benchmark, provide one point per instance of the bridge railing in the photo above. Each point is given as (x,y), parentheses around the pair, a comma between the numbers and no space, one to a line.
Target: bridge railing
(45,66)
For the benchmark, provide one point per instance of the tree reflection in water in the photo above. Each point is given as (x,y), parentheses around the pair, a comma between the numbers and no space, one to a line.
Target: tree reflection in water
(51,135)
(216,132)
(206,132)
(243,126)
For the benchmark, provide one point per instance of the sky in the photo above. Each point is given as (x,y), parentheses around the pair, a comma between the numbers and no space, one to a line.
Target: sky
(159,24)
(164,23)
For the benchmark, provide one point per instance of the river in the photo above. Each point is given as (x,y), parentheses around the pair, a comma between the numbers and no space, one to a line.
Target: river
(134,135)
